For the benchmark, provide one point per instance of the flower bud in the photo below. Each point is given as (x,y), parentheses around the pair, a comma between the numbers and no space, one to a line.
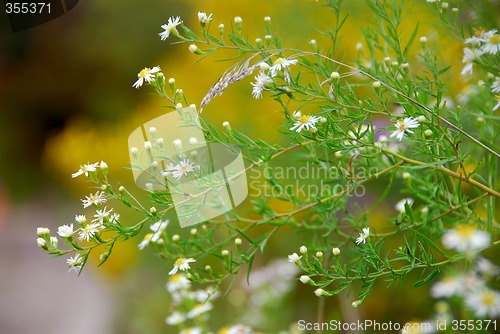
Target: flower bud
(237,241)
(225,252)
(43,232)
(304,279)
(335,75)
(42,243)
(193,48)
(103,165)
(221,29)
(356,303)
(176,238)
(303,249)
(53,242)
(335,251)
(319,292)
(319,254)
(239,23)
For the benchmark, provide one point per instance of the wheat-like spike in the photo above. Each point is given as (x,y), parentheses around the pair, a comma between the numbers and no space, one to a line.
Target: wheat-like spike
(237,72)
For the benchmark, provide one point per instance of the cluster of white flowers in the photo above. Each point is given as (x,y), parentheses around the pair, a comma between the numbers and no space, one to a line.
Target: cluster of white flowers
(483,42)
(87,231)
(156,237)
(190,308)
(267,74)
(466,238)
(471,287)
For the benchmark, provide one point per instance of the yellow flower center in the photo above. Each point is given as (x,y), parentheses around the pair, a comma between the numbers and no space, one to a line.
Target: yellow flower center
(176,278)
(488,298)
(279,61)
(143,72)
(179,261)
(479,32)
(402,125)
(466,231)
(304,119)
(495,39)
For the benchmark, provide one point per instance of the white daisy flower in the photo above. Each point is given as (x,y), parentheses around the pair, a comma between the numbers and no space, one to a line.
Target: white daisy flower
(100,215)
(175,318)
(98,198)
(447,287)
(466,238)
(181,264)
(261,80)
(80,219)
(486,268)
(178,282)
(400,206)
(469,56)
(158,229)
(145,241)
(405,125)
(182,168)
(75,263)
(199,309)
(88,231)
(146,75)
(294,258)
(491,42)
(203,18)
(495,86)
(305,121)
(363,236)
(202,296)
(65,231)
(115,218)
(170,27)
(498,103)
(281,64)
(485,303)
(85,169)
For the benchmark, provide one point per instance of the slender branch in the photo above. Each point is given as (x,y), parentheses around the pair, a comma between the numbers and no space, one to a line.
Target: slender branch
(445,170)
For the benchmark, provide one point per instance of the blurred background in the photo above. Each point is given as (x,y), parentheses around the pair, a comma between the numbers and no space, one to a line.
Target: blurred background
(66,98)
